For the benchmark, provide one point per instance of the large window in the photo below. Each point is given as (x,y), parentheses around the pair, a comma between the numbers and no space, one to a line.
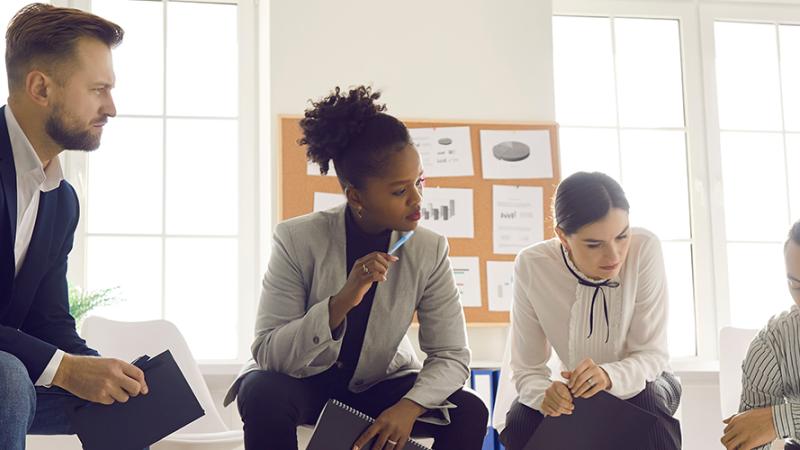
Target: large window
(619,103)
(695,108)
(168,200)
(758,93)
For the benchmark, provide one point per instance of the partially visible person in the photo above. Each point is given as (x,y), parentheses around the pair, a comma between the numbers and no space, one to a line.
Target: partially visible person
(60,78)
(770,404)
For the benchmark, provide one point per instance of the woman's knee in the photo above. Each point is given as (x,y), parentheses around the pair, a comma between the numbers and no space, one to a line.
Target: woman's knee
(521,422)
(264,393)
(659,397)
(470,410)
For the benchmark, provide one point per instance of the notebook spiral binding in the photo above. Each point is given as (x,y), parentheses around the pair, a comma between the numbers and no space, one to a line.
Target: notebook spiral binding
(369,419)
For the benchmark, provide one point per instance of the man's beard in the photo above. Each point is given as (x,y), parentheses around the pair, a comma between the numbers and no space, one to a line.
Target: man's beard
(69,137)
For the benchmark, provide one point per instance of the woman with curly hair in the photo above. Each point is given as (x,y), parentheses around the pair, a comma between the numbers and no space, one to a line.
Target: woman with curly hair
(335,306)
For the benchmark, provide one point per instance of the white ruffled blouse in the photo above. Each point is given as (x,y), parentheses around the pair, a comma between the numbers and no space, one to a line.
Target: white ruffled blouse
(553,310)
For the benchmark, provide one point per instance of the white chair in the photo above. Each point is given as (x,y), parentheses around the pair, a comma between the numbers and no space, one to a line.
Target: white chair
(733,345)
(304,433)
(129,340)
(506,391)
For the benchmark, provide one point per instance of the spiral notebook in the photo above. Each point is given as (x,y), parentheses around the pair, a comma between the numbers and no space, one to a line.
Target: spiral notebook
(589,426)
(339,426)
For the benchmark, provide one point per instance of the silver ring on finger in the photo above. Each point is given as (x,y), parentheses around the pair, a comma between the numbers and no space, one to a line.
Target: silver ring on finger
(391,442)
(365,268)
(590,381)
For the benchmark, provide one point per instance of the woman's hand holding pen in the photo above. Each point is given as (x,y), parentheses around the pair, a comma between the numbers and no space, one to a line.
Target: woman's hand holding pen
(557,400)
(587,379)
(368,269)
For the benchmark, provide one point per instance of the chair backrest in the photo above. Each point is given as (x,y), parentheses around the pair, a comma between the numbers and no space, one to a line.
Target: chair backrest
(733,345)
(506,391)
(129,340)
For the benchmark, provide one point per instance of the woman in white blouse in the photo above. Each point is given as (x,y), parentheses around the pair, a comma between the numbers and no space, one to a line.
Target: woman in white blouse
(597,295)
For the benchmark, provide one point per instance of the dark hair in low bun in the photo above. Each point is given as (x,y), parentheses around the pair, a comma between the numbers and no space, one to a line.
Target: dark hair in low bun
(352,130)
(583,198)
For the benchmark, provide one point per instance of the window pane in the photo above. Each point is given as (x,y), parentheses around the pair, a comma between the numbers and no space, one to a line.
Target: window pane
(139,60)
(649,72)
(133,264)
(202,55)
(584,71)
(119,201)
(793,163)
(589,150)
(754,186)
(202,177)
(647,62)
(201,295)
(747,76)
(678,263)
(757,283)
(790,75)
(659,198)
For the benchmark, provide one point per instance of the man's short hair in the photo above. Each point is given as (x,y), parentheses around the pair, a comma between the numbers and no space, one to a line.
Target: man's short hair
(794,234)
(44,37)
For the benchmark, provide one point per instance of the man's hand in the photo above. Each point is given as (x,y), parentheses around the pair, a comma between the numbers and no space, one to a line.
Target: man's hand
(749,429)
(392,427)
(100,380)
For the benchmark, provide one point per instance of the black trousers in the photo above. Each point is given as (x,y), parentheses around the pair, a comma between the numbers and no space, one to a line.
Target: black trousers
(272,405)
(661,397)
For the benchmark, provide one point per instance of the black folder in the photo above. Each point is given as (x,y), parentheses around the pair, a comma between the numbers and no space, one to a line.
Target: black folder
(603,422)
(339,426)
(169,405)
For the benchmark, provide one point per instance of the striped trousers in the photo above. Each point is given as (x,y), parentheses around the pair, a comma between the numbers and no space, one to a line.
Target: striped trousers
(661,397)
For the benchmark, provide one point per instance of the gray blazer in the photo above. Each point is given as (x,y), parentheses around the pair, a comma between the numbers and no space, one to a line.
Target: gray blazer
(308,266)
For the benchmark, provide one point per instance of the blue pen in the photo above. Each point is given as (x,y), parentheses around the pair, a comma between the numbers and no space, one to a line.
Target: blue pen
(400,242)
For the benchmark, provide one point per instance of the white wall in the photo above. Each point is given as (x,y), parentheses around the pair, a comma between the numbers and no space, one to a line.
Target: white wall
(448,59)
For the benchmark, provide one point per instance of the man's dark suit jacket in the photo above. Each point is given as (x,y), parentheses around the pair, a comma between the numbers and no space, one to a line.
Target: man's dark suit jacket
(34,306)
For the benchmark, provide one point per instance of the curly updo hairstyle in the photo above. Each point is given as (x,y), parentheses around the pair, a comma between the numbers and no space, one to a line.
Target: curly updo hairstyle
(352,130)
(583,198)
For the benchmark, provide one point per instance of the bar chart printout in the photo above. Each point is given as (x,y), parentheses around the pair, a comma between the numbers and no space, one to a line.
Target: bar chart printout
(443,212)
(448,211)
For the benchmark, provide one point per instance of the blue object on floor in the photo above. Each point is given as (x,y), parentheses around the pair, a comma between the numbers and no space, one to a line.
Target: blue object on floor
(491,441)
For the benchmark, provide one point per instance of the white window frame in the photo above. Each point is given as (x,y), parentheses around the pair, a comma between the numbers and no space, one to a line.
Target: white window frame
(700,195)
(697,17)
(254,189)
(735,11)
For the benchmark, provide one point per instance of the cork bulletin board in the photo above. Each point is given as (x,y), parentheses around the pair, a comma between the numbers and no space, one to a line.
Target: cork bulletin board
(297,190)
